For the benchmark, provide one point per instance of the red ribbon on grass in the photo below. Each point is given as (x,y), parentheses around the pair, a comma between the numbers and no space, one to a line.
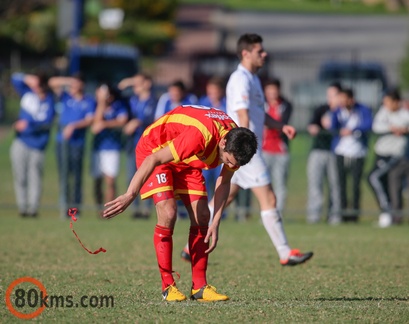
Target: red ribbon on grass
(72,212)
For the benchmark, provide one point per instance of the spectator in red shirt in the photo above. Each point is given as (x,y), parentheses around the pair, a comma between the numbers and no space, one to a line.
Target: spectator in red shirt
(275,142)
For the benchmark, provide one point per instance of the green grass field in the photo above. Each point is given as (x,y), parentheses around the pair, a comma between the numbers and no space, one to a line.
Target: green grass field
(359,272)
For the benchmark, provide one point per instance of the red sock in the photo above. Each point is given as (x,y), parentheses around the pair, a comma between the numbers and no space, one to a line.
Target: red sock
(197,248)
(162,239)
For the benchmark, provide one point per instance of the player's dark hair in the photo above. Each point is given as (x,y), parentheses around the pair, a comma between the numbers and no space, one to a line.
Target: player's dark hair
(146,76)
(217,81)
(179,84)
(273,82)
(246,42)
(394,94)
(335,85)
(114,93)
(79,76)
(42,80)
(242,143)
(348,92)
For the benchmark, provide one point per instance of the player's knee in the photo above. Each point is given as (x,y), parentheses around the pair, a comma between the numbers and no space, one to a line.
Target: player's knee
(170,213)
(167,211)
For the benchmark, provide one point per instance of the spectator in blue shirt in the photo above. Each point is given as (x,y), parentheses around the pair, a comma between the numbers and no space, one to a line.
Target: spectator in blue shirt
(216,98)
(142,111)
(351,124)
(32,136)
(110,116)
(176,96)
(76,112)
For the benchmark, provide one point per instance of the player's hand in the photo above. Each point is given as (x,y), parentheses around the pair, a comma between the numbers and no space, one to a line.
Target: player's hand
(345,132)
(290,131)
(97,127)
(68,131)
(326,121)
(117,206)
(212,232)
(102,93)
(131,126)
(20,125)
(399,131)
(122,84)
(313,129)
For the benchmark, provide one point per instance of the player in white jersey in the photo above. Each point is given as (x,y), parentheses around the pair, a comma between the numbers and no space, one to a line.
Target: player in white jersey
(245,104)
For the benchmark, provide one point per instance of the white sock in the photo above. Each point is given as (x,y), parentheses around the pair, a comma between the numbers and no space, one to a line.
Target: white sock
(274,226)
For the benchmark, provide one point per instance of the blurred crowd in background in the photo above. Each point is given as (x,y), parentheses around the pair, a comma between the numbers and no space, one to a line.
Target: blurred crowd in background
(116,115)
(99,95)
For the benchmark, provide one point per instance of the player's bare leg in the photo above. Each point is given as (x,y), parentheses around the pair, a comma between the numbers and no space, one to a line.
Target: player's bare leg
(98,194)
(166,212)
(110,183)
(98,191)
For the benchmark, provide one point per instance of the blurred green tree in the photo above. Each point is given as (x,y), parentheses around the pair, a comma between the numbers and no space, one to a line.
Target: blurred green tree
(31,25)
(147,24)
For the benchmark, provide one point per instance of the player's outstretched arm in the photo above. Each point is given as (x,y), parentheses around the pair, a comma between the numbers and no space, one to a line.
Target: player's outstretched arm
(221,195)
(125,83)
(57,83)
(122,202)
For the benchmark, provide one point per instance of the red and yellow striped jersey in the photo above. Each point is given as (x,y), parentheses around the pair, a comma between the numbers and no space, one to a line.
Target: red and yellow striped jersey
(192,133)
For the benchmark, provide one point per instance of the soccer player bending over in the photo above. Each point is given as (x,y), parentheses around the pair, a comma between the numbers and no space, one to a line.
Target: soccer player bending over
(170,157)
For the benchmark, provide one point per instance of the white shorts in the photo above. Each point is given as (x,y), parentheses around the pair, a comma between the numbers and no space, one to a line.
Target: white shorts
(253,174)
(105,162)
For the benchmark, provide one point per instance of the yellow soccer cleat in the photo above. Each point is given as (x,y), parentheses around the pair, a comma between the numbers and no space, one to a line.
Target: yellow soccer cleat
(207,293)
(173,294)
